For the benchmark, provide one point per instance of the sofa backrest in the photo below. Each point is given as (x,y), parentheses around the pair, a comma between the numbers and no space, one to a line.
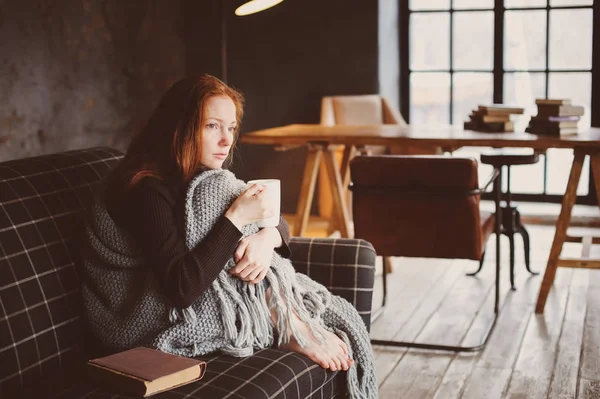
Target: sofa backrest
(42,200)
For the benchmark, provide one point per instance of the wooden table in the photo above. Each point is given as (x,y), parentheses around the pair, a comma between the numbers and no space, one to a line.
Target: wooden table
(321,141)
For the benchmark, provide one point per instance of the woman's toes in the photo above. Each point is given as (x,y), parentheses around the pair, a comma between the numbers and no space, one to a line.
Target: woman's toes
(344,363)
(332,365)
(344,348)
(337,359)
(343,360)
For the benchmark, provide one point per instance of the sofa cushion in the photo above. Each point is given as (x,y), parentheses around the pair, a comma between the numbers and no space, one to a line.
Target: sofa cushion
(270,373)
(41,201)
(346,267)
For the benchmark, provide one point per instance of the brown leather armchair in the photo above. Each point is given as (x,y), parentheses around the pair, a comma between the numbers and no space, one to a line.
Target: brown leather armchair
(423,206)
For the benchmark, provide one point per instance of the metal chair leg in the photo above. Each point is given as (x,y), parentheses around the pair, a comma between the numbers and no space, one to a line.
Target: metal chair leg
(480,266)
(386,265)
(521,230)
(450,347)
(511,240)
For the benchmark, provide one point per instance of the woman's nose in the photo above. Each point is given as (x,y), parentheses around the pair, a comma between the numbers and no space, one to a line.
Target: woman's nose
(226,138)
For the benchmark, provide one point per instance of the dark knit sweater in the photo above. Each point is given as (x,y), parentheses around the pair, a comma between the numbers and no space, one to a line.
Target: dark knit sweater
(153,214)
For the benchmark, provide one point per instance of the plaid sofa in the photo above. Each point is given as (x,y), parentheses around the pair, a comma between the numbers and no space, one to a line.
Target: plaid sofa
(42,349)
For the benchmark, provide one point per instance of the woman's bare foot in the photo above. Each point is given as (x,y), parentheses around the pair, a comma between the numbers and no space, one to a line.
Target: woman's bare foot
(332,353)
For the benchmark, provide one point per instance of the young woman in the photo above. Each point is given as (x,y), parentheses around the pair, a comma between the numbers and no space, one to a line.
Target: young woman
(193,130)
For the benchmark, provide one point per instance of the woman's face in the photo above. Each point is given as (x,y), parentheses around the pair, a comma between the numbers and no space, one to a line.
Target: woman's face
(217,131)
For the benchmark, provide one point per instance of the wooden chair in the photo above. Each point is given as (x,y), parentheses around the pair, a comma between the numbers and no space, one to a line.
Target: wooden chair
(424,206)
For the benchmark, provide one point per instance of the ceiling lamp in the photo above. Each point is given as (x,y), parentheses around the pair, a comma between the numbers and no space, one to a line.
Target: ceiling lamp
(254,6)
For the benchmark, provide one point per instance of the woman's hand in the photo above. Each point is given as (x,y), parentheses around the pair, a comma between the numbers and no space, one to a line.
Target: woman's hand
(254,254)
(251,206)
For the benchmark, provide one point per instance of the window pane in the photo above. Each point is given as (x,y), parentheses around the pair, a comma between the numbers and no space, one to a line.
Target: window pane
(470,90)
(559,167)
(458,4)
(527,179)
(430,41)
(430,98)
(522,88)
(473,40)
(570,39)
(525,40)
(574,85)
(524,3)
(571,2)
(429,4)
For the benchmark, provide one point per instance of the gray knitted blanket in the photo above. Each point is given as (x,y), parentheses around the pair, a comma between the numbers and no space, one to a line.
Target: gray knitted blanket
(125,307)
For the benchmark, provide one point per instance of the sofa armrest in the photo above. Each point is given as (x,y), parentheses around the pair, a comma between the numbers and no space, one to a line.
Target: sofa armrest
(345,266)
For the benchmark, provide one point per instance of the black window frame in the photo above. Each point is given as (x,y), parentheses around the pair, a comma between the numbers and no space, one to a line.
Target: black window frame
(498,74)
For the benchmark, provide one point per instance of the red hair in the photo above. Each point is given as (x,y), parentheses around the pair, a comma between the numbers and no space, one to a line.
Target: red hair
(169,144)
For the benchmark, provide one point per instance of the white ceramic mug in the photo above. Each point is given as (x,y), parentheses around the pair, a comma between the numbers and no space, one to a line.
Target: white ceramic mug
(273,190)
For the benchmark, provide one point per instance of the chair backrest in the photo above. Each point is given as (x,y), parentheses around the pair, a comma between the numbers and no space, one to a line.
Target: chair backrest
(417,206)
(41,204)
(370,109)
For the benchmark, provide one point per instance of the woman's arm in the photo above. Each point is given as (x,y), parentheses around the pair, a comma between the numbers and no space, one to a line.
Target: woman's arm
(184,274)
(254,253)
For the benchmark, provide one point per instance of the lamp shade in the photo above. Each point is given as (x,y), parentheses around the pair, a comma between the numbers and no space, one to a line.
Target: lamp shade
(254,6)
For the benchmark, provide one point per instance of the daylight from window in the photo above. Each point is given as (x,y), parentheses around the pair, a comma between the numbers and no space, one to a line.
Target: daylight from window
(546,53)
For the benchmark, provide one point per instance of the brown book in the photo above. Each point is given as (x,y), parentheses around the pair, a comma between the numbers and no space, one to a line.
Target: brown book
(144,371)
(559,110)
(500,109)
(496,118)
(553,101)
(557,132)
(492,127)
(546,123)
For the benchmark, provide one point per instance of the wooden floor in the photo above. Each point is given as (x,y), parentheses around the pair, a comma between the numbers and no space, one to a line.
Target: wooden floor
(555,355)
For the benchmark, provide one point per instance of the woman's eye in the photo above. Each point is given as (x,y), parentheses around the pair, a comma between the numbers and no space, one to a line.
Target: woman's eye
(232,129)
(212,126)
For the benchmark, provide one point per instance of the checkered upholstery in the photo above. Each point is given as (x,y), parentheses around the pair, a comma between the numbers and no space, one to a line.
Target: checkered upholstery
(41,339)
(41,200)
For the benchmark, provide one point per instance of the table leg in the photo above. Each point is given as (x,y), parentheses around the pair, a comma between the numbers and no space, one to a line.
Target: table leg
(307,190)
(340,211)
(595,163)
(349,152)
(561,229)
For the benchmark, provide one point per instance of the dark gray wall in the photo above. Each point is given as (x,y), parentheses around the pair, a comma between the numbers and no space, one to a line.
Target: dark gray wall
(76,73)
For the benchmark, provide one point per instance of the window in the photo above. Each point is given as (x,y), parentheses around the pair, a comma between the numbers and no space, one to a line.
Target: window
(457,54)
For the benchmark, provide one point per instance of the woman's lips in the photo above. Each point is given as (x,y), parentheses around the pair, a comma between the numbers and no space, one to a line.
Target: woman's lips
(220,156)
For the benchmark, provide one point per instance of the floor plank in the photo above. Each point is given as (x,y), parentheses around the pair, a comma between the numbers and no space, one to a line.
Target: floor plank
(404,306)
(590,362)
(589,389)
(564,379)
(535,363)
(554,355)
(447,325)
(455,378)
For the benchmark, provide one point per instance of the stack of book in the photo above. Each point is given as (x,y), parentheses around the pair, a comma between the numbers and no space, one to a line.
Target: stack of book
(493,118)
(555,117)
